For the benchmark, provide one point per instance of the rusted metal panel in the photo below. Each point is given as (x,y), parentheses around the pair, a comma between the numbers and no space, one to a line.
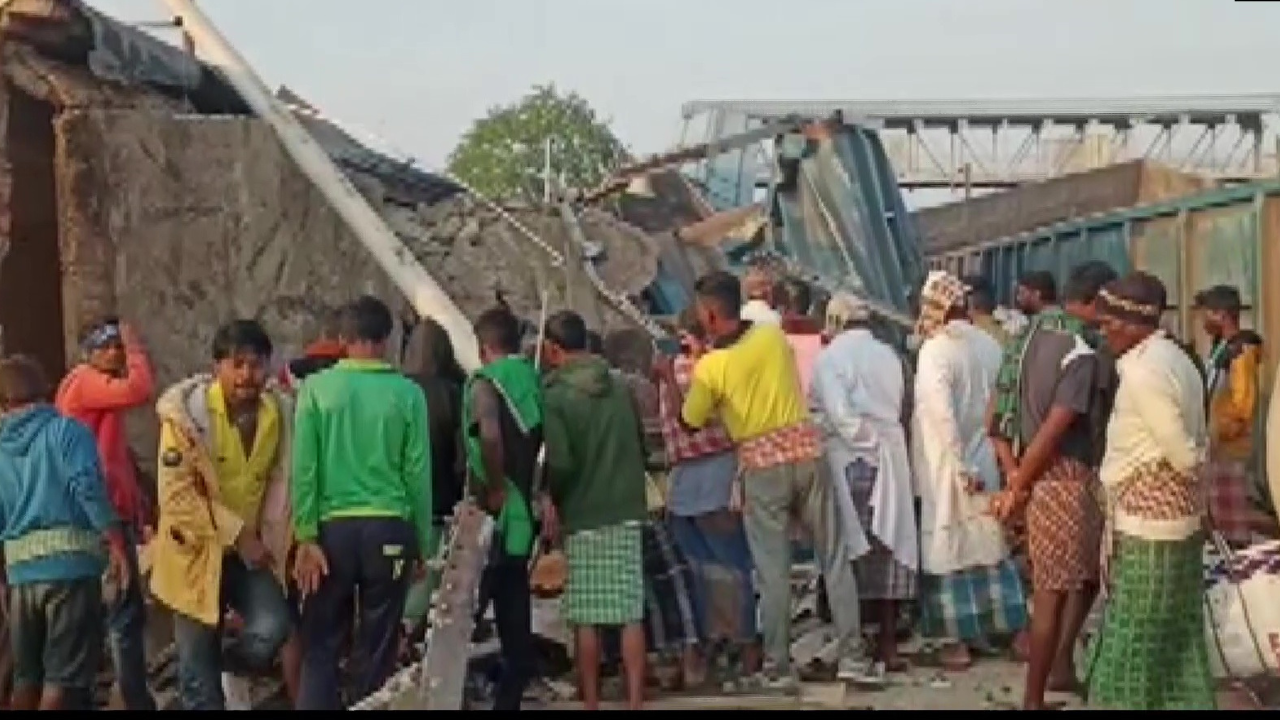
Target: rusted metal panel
(1221,237)
(1034,205)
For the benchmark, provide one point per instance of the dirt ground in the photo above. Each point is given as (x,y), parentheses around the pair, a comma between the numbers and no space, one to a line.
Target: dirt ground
(991,684)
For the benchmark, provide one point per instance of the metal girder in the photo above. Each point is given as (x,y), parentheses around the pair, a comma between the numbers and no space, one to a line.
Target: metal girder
(1060,109)
(1002,143)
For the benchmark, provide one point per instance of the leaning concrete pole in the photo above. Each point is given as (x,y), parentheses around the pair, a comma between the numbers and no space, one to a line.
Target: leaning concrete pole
(423,292)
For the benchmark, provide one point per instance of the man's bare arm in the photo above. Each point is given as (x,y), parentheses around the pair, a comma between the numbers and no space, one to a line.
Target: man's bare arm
(1003,446)
(488,418)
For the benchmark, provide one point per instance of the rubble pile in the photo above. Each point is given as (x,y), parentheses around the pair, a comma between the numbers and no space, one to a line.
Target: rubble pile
(477,255)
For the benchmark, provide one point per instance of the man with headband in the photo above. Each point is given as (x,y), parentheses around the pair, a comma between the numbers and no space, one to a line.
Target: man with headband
(1151,652)
(113,377)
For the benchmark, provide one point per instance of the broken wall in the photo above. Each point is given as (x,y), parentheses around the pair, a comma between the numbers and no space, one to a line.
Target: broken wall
(475,253)
(181,223)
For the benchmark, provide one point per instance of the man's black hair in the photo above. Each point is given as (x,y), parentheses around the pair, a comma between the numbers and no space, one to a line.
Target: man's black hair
(499,328)
(595,343)
(240,336)
(629,349)
(366,319)
(721,288)
(1042,282)
(1224,298)
(568,330)
(982,297)
(793,295)
(1086,280)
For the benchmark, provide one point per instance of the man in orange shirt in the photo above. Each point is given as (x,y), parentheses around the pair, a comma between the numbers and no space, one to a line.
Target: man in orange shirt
(113,378)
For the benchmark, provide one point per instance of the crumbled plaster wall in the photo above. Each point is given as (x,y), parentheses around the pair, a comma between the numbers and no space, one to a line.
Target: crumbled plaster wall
(183,223)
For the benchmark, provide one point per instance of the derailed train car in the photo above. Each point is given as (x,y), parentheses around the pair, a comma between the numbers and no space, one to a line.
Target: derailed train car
(1227,236)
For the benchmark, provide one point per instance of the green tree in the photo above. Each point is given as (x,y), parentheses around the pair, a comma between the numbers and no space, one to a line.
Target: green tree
(502,155)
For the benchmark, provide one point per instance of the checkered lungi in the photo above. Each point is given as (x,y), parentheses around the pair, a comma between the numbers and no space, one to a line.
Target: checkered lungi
(1064,527)
(670,620)
(880,576)
(974,603)
(1151,652)
(1230,510)
(606,576)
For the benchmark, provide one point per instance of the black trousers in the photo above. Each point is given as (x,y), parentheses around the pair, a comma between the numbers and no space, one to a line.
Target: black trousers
(372,558)
(505,583)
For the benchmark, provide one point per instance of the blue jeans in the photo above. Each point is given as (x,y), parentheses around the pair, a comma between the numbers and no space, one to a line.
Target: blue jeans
(258,598)
(717,538)
(126,623)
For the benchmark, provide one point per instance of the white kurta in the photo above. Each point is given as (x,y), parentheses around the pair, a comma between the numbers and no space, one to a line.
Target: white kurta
(955,376)
(856,396)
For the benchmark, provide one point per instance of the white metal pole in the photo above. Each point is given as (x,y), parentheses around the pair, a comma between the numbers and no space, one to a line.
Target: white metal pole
(422,291)
(546,172)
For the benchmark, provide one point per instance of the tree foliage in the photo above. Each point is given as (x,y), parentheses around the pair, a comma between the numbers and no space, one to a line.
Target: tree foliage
(502,155)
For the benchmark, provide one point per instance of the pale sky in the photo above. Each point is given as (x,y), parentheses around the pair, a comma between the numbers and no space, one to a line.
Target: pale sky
(417,72)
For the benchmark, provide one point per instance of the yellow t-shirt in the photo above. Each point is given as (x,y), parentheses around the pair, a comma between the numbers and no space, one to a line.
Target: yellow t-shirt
(242,477)
(752,384)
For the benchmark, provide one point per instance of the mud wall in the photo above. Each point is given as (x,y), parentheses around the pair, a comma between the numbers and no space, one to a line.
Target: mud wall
(181,223)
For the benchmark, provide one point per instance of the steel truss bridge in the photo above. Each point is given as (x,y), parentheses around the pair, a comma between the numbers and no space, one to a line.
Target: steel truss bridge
(990,144)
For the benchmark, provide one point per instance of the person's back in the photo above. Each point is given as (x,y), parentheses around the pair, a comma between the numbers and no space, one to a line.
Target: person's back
(602,468)
(362,413)
(756,382)
(429,361)
(959,366)
(595,468)
(361,486)
(54,518)
(52,496)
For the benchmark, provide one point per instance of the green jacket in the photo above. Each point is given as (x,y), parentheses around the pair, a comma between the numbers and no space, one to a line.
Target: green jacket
(361,449)
(595,457)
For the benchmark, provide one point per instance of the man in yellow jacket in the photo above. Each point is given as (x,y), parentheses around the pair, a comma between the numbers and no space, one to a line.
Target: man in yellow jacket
(1234,369)
(223,533)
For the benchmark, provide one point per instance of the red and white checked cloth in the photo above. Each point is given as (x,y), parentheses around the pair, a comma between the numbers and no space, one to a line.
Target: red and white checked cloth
(1230,511)
(682,445)
(794,444)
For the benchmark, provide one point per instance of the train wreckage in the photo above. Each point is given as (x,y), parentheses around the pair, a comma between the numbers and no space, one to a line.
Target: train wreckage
(140,181)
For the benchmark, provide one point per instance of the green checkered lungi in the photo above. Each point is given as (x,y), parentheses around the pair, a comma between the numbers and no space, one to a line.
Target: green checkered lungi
(606,576)
(1151,652)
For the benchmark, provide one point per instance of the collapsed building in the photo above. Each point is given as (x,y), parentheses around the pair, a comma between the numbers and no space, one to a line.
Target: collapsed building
(135,182)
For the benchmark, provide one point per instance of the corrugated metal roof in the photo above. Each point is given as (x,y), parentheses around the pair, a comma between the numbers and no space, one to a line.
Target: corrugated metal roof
(72,31)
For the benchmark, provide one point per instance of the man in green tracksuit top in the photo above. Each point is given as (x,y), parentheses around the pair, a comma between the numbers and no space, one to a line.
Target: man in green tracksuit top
(502,431)
(595,463)
(361,492)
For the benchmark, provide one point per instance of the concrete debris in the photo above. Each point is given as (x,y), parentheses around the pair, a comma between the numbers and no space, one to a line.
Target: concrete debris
(458,237)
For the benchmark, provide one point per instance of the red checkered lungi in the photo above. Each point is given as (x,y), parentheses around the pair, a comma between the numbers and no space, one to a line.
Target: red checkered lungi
(1064,527)
(1230,511)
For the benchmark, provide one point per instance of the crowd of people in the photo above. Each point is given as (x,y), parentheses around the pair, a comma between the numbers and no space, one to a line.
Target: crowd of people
(986,479)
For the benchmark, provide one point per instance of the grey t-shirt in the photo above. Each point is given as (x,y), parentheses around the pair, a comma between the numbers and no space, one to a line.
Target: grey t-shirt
(1061,369)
